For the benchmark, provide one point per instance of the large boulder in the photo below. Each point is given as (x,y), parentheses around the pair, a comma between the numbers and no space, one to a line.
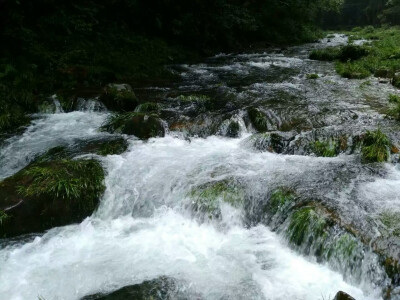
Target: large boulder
(162,288)
(141,125)
(119,97)
(343,296)
(49,194)
(396,80)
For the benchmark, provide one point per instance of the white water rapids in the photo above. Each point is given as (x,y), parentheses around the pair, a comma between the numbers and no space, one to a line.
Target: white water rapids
(144,229)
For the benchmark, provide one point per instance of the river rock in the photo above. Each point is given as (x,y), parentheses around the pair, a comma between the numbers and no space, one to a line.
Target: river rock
(119,97)
(396,80)
(343,296)
(162,288)
(49,194)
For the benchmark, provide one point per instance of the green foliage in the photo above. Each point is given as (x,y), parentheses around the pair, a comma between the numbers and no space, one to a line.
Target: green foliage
(375,147)
(352,70)
(280,199)
(73,180)
(382,57)
(312,76)
(343,247)
(394,98)
(327,148)
(305,222)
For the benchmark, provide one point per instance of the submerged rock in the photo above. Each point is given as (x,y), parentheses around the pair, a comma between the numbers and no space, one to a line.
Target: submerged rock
(162,288)
(101,146)
(49,194)
(207,198)
(141,125)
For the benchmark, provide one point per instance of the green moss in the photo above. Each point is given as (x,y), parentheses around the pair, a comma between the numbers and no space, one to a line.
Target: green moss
(207,198)
(258,119)
(12,117)
(305,222)
(70,180)
(280,199)
(327,148)
(375,147)
(343,247)
(312,76)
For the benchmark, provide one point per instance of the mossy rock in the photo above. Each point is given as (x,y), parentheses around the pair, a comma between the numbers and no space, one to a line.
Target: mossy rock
(280,200)
(384,73)
(396,80)
(208,197)
(258,119)
(119,97)
(103,147)
(352,52)
(328,148)
(271,142)
(233,129)
(49,194)
(148,107)
(343,296)
(141,125)
(375,147)
(312,76)
(162,288)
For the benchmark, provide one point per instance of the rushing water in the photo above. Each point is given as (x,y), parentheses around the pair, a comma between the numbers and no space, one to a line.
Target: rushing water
(144,227)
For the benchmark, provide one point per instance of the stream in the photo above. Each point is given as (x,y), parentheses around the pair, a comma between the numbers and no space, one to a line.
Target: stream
(145,226)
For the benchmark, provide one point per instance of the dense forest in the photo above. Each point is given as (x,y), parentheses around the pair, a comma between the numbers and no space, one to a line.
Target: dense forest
(59,45)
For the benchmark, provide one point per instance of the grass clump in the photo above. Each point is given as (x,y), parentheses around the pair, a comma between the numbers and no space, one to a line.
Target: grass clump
(116,122)
(375,147)
(72,180)
(394,98)
(112,147)
(326,54)
(258,119)
(343,248)
(280,199)
(312,76)
(325,148)
(352,70)
(305,222)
